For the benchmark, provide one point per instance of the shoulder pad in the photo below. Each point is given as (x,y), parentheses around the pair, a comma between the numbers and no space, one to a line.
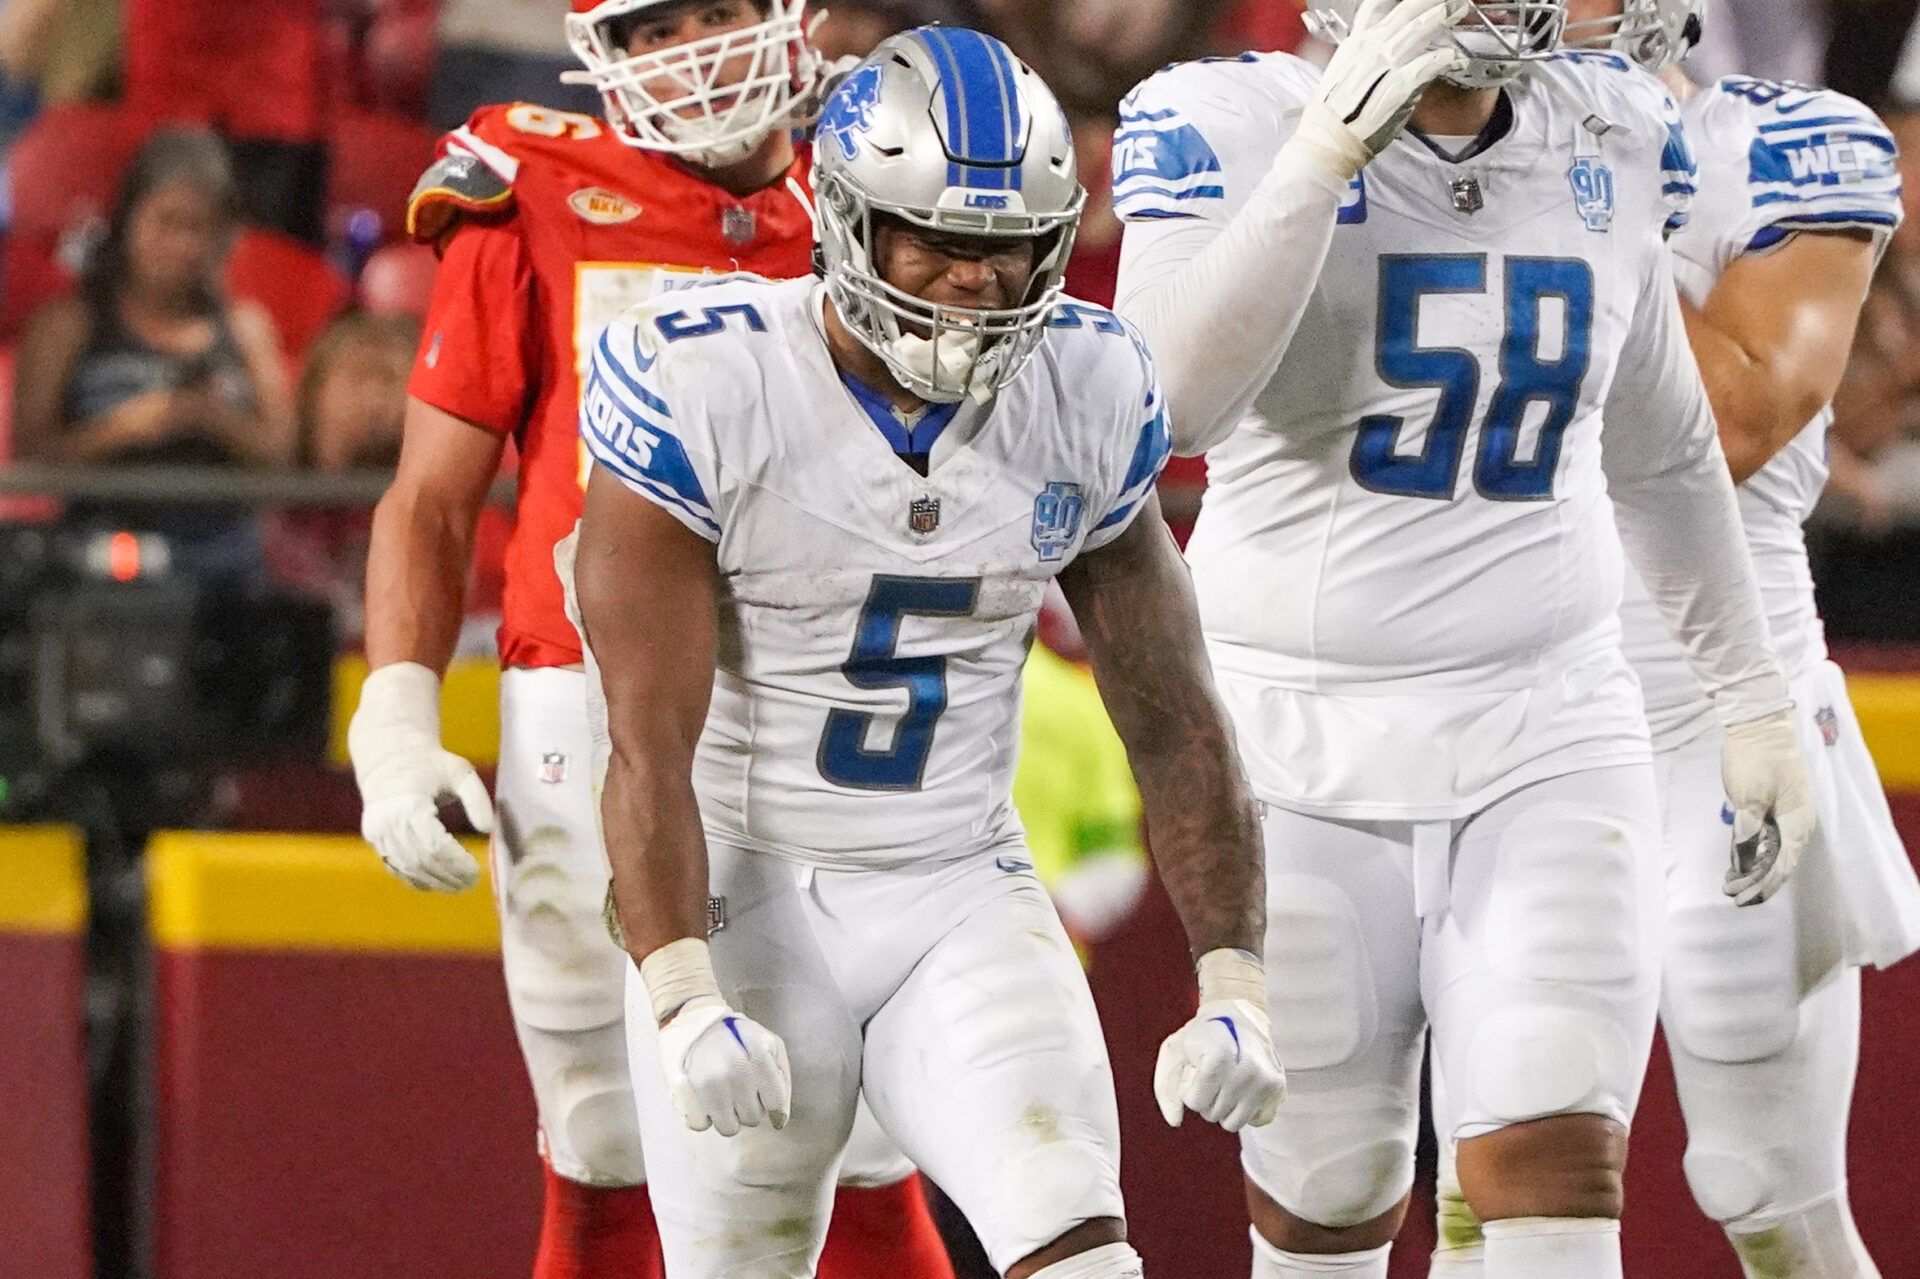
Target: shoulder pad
(459,184)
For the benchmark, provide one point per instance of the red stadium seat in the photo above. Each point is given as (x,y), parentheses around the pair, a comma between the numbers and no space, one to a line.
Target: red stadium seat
(64,172)
(296,286)
(398,280)
(376,159)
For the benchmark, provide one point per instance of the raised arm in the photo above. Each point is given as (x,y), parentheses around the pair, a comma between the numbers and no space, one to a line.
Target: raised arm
(1219,295)
(1773,338)
(1134,602)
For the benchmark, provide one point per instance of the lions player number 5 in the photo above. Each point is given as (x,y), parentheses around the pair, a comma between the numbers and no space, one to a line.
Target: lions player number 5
(1527,377)
(844,757)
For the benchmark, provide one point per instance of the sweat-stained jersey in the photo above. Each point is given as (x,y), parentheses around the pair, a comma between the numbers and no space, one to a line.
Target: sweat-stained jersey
(1407,561)
(550,226)
(874,621)
(1775,160)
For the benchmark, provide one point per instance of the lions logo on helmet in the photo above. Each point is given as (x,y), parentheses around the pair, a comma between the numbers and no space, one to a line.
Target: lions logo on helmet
(849,112)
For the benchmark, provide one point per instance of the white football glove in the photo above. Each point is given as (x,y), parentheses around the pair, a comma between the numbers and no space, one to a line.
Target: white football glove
(1221,1065)
(724,1071)
(403,773)
(1774,816)
(1393,51)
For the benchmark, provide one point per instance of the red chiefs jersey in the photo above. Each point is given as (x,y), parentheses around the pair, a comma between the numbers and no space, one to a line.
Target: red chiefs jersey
(549,227)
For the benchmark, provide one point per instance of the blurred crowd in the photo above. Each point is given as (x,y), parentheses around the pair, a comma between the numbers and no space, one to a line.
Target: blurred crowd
(205,262)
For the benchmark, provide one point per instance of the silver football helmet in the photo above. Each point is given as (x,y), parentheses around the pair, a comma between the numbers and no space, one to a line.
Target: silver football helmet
(1654,33)
(710,101)
(945,129)
(1498,37)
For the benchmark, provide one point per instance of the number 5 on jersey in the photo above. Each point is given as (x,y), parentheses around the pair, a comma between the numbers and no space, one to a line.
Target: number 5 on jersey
(1501,471)
(844,757)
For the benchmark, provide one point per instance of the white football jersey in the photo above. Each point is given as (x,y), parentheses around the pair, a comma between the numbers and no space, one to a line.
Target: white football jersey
(873,620)
(1775,159)
(1406,559)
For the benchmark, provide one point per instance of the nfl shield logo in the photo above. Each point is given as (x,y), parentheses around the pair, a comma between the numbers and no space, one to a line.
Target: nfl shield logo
(923,514)
(1056,519)
(1592,184)
(1829,725)
(553,767)
(1467,196)
(738,224)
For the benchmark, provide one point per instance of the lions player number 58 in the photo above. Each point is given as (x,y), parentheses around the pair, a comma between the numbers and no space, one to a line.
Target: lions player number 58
(1527,376)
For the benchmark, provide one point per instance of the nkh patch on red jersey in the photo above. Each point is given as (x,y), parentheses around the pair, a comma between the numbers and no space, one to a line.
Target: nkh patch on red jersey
(549,227)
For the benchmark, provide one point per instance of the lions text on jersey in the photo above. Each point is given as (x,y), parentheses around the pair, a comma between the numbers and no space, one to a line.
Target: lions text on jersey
(874,620)
(1775,159)
(1407,560)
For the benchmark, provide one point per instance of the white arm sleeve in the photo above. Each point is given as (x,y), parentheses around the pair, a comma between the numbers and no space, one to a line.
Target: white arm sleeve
(1226,231)
(1219,301)
(1674,503)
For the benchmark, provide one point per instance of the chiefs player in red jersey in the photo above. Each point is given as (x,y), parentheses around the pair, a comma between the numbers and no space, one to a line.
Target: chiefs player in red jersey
(549,225)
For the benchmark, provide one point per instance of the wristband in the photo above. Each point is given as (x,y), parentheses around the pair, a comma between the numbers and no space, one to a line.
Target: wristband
(677,974)
(1229,974)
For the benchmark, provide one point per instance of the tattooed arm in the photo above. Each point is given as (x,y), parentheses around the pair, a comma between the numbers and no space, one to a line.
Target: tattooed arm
(1134,603)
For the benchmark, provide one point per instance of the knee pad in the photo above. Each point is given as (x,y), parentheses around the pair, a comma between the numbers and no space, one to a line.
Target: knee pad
(1531,1062)
(1733,986)
(1336,1169)
(601,1138)
(1323,1005)
(1045,1191)
(1109,1261)
(588,1124)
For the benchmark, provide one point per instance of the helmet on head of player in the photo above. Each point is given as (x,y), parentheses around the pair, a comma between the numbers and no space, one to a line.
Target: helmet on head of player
(1498,37)
(1654,33)
(946,130)
(711,100)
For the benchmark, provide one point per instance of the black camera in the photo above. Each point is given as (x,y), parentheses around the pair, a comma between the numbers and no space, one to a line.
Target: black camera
(104,653)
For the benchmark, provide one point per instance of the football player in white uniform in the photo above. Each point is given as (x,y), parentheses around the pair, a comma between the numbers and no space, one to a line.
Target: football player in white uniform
(1399,350)
(1798,193)
(816,540)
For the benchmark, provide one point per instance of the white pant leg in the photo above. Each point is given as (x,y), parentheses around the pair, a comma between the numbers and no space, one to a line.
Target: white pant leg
(987,1061)
(1541,973)
(756,1205)
(565,976)
(1763,1028)
(873,1158)
(1343,976)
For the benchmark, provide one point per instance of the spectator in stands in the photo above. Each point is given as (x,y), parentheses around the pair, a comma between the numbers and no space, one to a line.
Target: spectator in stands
(352,397)
(503,51)
(151,363)
(354,392)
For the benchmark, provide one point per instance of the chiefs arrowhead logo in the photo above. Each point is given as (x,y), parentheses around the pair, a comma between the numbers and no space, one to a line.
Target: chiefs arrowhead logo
(602,207)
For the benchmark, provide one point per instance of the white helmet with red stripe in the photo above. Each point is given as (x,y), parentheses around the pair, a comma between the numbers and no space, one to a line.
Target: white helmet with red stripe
(711,100)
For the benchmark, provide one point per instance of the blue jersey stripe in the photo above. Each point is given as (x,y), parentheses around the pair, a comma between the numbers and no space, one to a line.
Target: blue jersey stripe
(1784,125)
(612,364)
(1136,191)
(650,488)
